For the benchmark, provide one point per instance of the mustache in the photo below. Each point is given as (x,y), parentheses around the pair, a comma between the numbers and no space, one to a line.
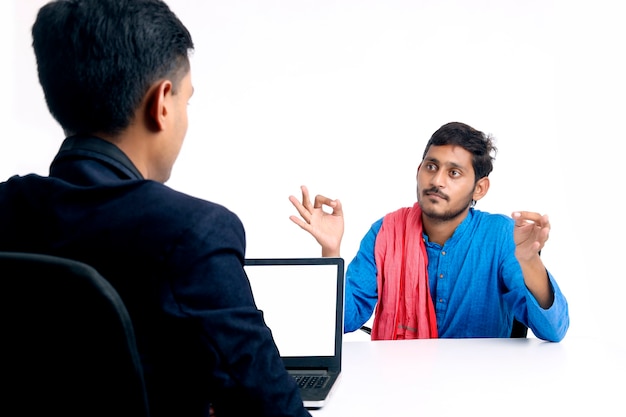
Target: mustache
(435,191)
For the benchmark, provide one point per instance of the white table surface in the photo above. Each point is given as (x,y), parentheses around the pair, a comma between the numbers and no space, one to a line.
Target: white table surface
(486,377)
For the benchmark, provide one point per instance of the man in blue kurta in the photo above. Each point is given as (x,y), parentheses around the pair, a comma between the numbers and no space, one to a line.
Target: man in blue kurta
(441,268)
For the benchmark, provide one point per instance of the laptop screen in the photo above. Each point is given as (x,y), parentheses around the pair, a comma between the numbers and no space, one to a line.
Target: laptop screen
(299,300)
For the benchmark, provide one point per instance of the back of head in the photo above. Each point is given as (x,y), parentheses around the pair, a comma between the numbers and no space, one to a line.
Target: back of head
(96,59)
(477,143)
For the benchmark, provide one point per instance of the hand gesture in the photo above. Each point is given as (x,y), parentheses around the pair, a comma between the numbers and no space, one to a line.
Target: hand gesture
(326,228)
(530,234)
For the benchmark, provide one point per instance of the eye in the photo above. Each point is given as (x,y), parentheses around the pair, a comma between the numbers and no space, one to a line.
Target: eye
(431,167)
(454,173)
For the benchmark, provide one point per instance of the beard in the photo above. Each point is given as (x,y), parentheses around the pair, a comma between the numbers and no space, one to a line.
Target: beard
(447,215)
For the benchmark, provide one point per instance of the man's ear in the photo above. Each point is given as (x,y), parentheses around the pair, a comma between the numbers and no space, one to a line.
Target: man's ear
(157,104)
(481,188)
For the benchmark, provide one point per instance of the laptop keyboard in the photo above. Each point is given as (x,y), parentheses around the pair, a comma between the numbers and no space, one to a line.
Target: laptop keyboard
(310,381)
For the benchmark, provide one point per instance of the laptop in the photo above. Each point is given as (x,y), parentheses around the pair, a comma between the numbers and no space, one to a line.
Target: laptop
(302,303)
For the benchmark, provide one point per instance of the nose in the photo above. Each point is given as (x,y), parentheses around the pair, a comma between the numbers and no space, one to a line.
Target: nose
(438,179)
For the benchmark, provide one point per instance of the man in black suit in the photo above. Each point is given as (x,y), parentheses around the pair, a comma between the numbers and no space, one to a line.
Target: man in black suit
(116,76)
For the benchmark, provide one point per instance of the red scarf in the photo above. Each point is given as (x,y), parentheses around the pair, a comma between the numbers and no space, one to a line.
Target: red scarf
(405,309)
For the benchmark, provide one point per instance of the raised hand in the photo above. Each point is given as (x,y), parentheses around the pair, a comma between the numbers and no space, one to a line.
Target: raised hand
(530,234)
(326,228)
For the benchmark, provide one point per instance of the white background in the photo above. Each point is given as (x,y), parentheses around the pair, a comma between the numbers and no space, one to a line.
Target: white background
(342,95)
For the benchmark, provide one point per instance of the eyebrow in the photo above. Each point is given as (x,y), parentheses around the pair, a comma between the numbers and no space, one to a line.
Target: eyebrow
(449,164)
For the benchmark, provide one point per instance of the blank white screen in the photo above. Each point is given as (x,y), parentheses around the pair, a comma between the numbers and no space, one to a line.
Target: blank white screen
(299,305)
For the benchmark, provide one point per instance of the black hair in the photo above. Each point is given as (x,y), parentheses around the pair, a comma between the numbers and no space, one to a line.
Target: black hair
(96,59)
(479,144)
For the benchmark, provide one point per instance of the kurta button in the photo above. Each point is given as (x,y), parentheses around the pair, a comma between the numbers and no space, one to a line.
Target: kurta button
(443,252)
(440,275)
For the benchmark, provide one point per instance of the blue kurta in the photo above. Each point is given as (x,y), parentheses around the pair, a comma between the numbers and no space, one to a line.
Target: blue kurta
(475,281)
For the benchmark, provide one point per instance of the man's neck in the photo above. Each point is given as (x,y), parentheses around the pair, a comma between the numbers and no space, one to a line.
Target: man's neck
(439,231)
(133,142)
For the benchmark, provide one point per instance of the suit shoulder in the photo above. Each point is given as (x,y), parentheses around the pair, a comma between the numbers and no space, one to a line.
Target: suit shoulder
(181,204)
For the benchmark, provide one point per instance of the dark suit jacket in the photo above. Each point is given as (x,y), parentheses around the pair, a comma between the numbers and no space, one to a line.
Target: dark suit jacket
(177,262)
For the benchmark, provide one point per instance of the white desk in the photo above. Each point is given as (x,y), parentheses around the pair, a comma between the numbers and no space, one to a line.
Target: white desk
(482,377)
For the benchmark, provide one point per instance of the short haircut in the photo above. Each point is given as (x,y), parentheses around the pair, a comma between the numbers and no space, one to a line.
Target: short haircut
(479,144)
(96,59)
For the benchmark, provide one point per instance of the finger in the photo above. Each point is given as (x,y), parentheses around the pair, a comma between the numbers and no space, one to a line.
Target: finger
(320,201)
(298,205)
(306,201)
(337,208)
(544,235)
(303,211)
(304,225)
(525,217)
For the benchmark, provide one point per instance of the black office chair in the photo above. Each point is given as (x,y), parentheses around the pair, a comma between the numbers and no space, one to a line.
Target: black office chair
(519,330)
(68,343)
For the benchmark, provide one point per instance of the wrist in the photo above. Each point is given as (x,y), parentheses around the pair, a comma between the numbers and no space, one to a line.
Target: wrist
(330,253)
